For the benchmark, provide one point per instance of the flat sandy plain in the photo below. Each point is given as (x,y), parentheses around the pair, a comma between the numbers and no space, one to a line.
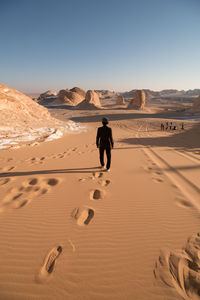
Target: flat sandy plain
(69,230)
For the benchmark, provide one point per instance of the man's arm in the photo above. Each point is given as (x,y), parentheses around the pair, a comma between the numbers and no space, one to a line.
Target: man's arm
(97,138)
(111,138)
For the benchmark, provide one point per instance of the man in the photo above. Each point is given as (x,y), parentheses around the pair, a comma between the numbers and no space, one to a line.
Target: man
(104,142)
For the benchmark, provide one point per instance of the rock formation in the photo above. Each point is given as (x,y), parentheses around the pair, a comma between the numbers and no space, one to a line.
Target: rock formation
(79,91)
(70,97)
(18,109)
(120,100)
(99,94)
(138,101)
(25,121)
(91,101)
(196,105)
(48,94)
(106,94)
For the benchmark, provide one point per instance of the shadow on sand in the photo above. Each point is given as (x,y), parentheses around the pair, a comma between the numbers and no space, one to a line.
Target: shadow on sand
(182,140)
(56,171)
(128,115)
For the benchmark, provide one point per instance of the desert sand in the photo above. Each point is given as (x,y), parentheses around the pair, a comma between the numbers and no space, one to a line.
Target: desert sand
(69,230)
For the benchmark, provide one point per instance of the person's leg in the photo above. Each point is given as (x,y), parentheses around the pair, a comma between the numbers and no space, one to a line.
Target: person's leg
(108,154)
(101,156)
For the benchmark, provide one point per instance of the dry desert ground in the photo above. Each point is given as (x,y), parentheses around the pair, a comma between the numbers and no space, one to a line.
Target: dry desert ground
(69,230)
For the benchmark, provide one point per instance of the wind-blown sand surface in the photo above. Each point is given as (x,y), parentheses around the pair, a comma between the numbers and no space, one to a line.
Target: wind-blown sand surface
(72,231)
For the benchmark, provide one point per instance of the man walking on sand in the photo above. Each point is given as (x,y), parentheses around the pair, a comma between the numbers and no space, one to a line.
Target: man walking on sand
(104,142)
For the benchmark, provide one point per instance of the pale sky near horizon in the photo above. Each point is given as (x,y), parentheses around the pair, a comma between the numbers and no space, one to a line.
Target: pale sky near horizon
(100,44)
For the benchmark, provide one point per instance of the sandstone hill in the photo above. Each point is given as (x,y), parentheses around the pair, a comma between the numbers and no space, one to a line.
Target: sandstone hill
(106,94)
(194,92)
(18,109)
(46,95)
(138,101)
(91,101)
(148,94)
(167,93)
(120,100)
(196,105)
(24,120)
(79,91)
(70,97)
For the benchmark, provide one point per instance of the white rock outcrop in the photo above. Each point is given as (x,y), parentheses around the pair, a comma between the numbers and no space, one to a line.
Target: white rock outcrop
(91,101)
(196,105)
(23,121)
(120,100)
(17,109)
(138,101)
(70,97)
(46,95)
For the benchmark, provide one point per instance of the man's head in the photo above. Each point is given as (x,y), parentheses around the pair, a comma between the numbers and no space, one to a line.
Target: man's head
(104,121)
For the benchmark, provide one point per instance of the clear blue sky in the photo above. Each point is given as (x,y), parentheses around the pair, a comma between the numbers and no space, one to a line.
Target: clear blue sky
(100,44)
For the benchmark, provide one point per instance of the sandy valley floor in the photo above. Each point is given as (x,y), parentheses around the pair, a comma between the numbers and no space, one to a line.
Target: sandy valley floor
(69,230)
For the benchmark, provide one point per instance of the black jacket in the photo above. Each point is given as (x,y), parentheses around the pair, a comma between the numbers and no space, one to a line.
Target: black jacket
(104,137)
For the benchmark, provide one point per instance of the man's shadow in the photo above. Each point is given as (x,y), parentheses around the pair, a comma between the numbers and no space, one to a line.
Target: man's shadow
(55,171)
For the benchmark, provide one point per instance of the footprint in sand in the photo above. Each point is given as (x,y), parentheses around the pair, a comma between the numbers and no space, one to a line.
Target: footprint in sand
(52,181)
(183,203)
(33,181)
(105,182)
(49,264)
(4,181)
(13,202)
(81,179)
(158,173)
(157,179)
(83,216)
(9,159)
(34,160)
(96,194)
(148,168)
(28,190)
(97,174)
(7,169)
(61,155)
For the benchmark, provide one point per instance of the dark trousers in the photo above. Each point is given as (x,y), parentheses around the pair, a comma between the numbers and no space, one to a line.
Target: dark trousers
(108,154)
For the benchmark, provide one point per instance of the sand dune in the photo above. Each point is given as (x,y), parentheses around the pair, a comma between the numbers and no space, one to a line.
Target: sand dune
(70,230)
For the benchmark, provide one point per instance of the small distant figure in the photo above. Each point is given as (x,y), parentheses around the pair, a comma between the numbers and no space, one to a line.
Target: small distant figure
(162,127)
(182,126)
(170,126)
(104,142)
(174,127)
(167,125)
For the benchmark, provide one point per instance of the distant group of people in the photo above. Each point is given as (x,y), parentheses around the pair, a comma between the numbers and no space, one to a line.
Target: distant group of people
(170,126)
(104,140)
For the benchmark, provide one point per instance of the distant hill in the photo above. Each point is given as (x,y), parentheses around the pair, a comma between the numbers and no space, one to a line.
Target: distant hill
(164,93)
(106,94)
(194,92)
(148,93)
